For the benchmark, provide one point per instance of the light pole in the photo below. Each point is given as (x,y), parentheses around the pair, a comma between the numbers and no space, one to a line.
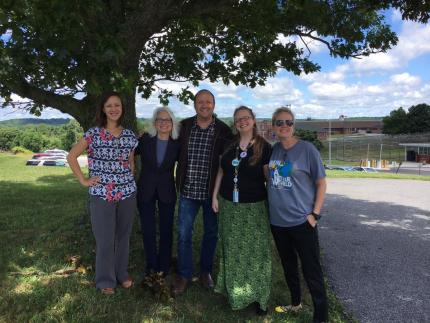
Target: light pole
(329,141)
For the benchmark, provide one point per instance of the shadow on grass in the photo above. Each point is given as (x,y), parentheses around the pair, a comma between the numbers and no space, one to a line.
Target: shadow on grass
(58,179)
(43,225)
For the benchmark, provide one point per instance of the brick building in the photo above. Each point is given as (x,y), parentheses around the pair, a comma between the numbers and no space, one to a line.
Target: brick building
(338,126)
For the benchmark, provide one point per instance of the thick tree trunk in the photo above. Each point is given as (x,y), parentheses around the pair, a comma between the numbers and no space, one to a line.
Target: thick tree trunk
(129,110)
(86,113)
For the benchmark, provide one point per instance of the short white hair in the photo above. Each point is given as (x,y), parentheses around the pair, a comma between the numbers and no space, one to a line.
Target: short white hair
(175,125)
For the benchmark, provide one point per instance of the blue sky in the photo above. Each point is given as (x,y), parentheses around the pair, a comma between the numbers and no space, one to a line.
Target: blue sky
(372,86)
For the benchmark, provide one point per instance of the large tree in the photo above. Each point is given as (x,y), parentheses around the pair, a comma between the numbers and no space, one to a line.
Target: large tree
(416,120)
(64,53)
(396,122)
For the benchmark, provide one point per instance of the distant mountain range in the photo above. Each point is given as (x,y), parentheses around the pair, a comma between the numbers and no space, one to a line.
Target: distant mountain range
(34,121)
(61,121)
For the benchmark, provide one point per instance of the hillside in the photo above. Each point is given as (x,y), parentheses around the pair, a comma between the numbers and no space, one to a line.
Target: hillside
(33,121)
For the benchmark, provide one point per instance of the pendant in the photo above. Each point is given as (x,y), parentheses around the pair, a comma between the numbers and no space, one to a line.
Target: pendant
(243,154)
(235,180)
(235,196)
(235,162)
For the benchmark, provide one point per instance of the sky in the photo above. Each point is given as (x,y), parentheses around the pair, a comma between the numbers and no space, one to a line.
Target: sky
(368,87)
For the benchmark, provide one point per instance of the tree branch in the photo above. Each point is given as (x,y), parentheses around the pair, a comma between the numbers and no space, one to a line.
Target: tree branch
(65,104)
(331,49)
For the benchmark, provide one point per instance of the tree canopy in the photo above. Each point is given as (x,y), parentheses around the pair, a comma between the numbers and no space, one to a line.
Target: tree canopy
(65,53)
(415,120)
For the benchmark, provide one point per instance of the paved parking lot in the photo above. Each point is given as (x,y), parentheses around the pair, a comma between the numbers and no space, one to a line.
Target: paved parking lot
(375,236)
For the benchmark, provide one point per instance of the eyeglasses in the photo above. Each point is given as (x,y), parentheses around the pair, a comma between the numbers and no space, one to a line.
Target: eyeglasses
(245,118)
(159,120)
(280,123)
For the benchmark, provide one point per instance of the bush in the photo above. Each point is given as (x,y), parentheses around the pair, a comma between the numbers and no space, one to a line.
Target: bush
(8,138)
(20,150)
(310,136)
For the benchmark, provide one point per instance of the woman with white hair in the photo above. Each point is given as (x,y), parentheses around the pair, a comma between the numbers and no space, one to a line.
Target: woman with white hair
(159,151)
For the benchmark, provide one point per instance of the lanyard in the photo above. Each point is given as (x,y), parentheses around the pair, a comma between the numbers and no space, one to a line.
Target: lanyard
(235,162)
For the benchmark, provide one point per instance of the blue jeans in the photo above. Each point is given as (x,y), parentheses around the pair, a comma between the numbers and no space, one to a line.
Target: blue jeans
(188,209)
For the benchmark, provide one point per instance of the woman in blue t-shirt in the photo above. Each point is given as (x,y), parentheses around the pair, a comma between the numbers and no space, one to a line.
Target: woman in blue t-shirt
(296,191)
(112,190)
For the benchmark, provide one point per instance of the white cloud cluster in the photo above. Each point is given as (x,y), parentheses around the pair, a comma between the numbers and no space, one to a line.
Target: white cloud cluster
(414,41)
(361,99)
(372,86)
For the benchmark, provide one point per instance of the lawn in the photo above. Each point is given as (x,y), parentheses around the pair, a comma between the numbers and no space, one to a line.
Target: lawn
(44,222)
(344,174)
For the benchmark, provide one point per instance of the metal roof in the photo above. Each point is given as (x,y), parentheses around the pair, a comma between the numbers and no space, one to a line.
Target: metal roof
(421,145)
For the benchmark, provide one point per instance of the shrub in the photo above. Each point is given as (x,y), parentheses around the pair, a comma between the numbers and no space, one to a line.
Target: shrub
(20,150)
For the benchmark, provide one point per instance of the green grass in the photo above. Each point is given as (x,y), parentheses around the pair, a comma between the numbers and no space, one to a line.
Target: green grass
(344,174)
(44,220)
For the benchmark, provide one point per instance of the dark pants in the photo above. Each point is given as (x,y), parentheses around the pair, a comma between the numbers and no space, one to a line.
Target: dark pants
(187,213)
(157,261)
(111,224)
(302,240)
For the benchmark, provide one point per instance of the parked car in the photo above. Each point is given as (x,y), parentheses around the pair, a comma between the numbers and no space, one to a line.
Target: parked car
(337,167)
(50,157)
(56,152)
(365,169)
(47,162)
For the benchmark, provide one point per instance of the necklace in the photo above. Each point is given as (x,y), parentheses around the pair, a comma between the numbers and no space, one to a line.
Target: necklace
(235,163)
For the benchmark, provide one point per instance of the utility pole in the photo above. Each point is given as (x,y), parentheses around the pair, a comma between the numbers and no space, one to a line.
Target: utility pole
(329,141)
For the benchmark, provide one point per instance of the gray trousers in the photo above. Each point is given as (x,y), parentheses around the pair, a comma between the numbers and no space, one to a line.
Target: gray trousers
(111,224)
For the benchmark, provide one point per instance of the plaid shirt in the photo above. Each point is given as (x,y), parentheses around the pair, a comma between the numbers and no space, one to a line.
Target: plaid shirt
(200,145)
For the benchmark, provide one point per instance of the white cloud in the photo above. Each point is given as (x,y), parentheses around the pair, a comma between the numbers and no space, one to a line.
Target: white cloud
(396,16)
(414,41)
(333,90)
(280,89)
(338,74)
(405,79)
(306,43)
(222,91)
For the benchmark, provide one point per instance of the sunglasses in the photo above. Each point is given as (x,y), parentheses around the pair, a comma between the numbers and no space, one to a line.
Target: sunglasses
(280,123)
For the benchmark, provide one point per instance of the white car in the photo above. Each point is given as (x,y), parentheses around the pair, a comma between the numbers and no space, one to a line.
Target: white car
(50,157)
(56,152)
(47,162)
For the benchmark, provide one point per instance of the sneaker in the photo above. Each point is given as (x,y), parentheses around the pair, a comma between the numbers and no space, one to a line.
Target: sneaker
(288,309)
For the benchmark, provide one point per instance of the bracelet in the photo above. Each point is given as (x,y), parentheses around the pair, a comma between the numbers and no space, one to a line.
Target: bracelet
(316,215)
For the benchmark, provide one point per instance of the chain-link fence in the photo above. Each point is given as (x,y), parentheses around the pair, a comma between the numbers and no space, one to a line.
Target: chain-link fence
(370,147)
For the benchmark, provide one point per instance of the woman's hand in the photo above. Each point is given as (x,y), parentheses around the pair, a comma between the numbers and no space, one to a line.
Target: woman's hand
(92,181)
(312,220)
(215,204)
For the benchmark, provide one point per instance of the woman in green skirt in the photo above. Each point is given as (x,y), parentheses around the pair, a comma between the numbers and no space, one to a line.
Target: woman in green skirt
(245,264)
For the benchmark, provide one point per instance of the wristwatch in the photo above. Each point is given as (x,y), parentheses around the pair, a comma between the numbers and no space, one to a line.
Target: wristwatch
(316,215)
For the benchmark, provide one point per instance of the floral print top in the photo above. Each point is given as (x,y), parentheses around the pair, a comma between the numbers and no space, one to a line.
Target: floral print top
(108,157)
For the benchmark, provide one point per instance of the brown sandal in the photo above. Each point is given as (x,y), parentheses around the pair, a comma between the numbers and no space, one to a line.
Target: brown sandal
(107,291)
(127,284)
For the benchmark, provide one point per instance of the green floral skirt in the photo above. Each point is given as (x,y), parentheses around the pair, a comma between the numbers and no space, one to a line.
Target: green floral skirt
(245,269)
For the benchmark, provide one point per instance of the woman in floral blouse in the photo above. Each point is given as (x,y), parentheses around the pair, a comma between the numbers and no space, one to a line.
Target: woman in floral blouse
(112,190)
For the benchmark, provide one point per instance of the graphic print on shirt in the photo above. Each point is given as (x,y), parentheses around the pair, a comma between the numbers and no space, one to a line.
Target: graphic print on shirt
(108,158)
(280,174)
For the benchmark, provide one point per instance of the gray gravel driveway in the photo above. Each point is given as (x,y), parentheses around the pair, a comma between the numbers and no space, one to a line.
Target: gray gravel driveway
(375,236)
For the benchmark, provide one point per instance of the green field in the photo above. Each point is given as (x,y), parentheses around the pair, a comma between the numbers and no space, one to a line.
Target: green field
(44,221)
(340,173)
